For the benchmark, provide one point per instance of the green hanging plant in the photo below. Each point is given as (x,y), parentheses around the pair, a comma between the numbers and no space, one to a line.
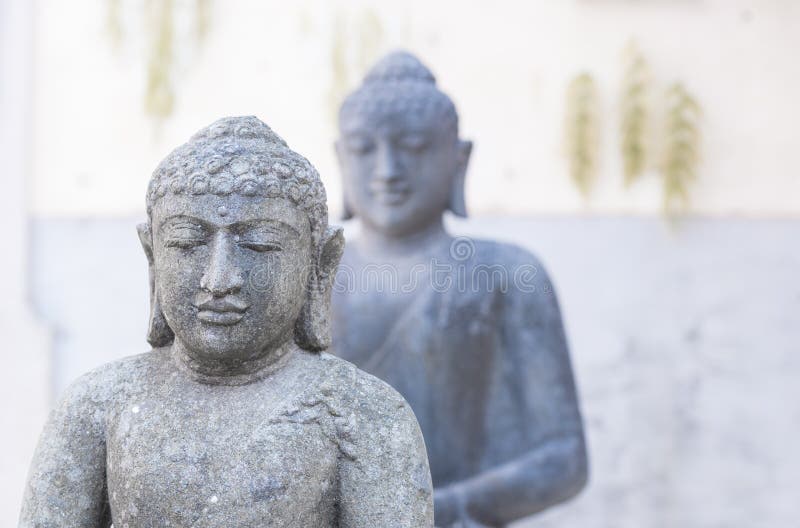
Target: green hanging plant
(681,147)
(582,131)
(634,118)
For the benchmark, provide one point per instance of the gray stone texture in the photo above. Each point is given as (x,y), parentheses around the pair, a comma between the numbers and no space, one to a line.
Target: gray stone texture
(468,331)
(236,417)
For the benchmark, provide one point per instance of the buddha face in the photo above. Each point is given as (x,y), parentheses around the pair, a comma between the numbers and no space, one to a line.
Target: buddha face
(399,170)
(230,271)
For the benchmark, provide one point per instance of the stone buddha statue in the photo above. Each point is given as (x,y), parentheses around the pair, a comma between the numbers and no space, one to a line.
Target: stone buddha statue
(468,331)
(237,417)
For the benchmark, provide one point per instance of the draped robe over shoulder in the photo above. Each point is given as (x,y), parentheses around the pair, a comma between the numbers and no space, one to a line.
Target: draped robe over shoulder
(481,358)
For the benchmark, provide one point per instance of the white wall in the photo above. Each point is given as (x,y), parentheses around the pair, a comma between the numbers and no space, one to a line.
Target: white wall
(506,64)
(25,387)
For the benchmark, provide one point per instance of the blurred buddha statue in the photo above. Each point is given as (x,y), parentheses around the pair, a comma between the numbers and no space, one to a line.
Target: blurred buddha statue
(468,331)
(236,418)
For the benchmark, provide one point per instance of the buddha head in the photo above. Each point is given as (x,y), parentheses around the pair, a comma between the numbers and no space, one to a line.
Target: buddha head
(402,161)
(241,255)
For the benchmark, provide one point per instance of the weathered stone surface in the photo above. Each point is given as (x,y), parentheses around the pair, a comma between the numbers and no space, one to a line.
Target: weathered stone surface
(468,331)
(236,418)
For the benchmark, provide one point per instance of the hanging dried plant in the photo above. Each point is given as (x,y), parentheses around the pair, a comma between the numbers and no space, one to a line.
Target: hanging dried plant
(634,118)
(159,94)
(202,17)
(681,148)
(339,70)
(114,22)
(159,16)
(357,42)
(582,131)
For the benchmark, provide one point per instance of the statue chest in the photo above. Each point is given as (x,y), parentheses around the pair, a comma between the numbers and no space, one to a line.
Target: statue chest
(440,345)
(426,327)
(220,462)
(365,319)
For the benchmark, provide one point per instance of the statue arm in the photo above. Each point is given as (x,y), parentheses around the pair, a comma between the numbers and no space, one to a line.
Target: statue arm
(553,467)
(386,480)
(66,482)
(546,475)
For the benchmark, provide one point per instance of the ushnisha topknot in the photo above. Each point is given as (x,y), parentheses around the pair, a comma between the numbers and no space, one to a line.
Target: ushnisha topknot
(400,83)
(399,66)
(241,155)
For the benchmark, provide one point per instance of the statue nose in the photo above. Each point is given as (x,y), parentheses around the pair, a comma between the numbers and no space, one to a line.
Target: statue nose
(222,275)
(388,167)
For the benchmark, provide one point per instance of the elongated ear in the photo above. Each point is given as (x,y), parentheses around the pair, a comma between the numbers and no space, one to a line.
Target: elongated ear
(330,253)
(159,333)
(312,330)
(458,203)
(347,211)
(146,238)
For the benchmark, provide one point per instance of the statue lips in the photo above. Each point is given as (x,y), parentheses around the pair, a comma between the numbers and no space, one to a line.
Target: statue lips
(393,193)
(226,311)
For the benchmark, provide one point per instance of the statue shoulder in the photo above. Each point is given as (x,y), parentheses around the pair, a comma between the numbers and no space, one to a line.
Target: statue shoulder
(383,460)
(372,401)
(352,407)
(496,252)
(518,264)
(112,380)
(362,392)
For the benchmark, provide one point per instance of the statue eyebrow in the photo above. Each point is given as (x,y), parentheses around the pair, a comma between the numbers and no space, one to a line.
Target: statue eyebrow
(263,223)
(238,227)
(177,220)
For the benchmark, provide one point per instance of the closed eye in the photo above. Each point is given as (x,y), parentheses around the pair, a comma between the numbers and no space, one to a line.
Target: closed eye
(413,141)
(359,145)
(261,247)
(184,243)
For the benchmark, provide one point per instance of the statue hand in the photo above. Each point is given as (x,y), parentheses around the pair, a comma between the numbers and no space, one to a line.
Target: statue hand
(445,507)
(465,523)
(449,509)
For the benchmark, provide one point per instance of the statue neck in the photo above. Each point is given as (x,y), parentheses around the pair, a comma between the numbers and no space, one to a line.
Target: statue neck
(231,372)
(375,243)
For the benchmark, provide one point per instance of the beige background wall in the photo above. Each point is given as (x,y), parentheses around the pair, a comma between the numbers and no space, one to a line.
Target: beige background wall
(685,342)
